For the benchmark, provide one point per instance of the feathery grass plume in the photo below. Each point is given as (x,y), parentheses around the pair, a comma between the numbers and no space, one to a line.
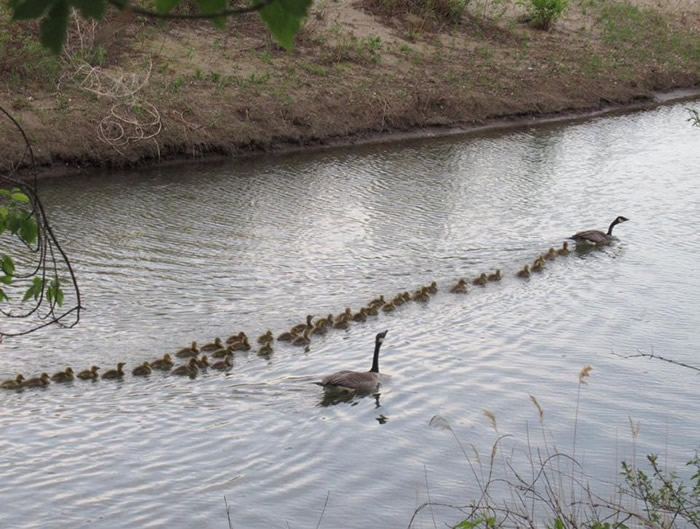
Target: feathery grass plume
(476,453)
(539,408)
(635,427)
(439,422)
(585,372)
(492,418)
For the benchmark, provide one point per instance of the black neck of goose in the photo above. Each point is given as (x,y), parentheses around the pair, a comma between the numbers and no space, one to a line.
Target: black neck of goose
(612,225)
(375,360)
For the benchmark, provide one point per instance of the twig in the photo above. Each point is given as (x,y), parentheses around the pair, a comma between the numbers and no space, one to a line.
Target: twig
(427,491)
(657,357)
(228,513)
(323,510)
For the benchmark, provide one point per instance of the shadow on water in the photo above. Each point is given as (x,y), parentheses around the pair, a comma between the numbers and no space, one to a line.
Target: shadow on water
(334,397)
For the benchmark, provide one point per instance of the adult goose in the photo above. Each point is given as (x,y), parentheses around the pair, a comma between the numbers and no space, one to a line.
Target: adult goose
(597,236)
(357,381)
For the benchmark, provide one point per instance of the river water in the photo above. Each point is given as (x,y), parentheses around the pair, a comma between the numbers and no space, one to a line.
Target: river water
(173,255)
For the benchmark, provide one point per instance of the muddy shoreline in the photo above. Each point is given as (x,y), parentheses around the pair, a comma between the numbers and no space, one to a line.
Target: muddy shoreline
(294,145)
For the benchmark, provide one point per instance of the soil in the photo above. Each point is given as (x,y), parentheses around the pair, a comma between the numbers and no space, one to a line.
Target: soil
(359,69)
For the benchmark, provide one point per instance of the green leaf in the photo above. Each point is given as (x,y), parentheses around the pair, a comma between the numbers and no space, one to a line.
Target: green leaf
(29,230)
(7,280)
(4,192)
(164,6)
(34,290)
(29,9)
(4,212)
(213,6)
(59,296)
(3,295)
(20,197)
(53,27)
(7,265)
(90,8)
(283,18)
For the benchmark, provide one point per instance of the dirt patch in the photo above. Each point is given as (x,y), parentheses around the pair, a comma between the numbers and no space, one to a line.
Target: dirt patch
(141,93)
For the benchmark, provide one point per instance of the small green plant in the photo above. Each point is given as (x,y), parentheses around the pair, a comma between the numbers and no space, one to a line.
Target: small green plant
(176,85)
(544,13)
(198,75)
(215,77)
(694,117)
(259,79)
(668,501)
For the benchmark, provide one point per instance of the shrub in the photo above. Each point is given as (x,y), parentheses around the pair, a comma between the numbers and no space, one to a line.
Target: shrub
(543,13)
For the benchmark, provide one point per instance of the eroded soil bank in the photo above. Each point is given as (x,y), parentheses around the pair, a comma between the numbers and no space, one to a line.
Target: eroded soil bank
(130,92)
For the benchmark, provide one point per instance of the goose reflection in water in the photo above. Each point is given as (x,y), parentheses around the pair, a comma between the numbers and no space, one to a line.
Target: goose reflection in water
(329,398)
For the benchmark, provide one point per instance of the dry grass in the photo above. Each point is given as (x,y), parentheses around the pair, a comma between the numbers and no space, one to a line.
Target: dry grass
(551,490)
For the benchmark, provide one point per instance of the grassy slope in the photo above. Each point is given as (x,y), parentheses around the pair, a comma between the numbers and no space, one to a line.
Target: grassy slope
(185,90)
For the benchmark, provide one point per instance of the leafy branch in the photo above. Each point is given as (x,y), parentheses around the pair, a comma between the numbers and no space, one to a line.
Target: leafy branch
(282,17)
(22,214)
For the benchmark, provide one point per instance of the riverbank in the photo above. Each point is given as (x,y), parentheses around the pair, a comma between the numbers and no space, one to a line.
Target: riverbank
(129,92)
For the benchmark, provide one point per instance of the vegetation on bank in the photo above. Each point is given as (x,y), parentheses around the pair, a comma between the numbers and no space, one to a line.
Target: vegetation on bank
(552,490)
(127,89)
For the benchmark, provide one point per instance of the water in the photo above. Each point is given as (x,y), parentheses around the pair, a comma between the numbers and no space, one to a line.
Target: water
(179,254)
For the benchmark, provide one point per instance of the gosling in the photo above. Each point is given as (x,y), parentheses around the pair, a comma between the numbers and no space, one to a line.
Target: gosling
(64,376)
(142,370)
(113,374)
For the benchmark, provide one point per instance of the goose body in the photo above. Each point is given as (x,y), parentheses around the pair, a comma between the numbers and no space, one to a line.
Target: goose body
(89,374)
(357,381)
(597,236)
(64,376)
(303,326)
(38,382)
(266,338)
(422,295)
(538,265)
(221,353)
(361,315)
(242,336)
(226,363)
(115,373)
(460,287)
(301,341)
(481,280)
(142,370)
(188,352)
(496,276)
(164,363)
(13,383)
(240,346)
(188,370)
(217,344)
(525,272)
(287,336)
(265,350)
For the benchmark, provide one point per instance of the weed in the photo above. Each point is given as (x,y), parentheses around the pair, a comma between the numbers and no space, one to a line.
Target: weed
(176,85)
(554,492)
(259,78)
(543,13)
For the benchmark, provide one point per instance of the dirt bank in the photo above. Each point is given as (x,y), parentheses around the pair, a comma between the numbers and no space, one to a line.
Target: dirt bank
(130,92)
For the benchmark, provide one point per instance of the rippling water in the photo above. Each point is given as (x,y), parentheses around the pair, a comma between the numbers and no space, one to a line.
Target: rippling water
(180,254)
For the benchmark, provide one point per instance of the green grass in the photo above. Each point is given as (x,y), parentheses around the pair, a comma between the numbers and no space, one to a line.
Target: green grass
(644,33)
